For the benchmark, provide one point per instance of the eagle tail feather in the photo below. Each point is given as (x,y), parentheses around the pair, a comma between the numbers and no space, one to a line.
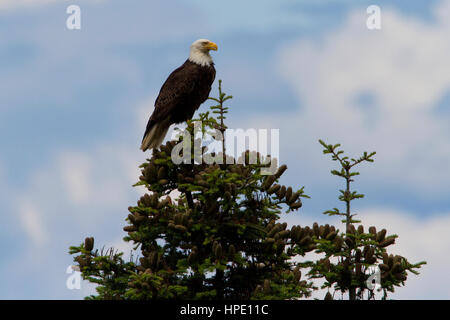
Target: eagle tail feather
(155,136)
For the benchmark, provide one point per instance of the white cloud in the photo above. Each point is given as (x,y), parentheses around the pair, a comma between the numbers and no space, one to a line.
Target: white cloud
(127,248)
(86,179)
(401,71)
(75,173)
(419,239)
(79,192)
(32,223)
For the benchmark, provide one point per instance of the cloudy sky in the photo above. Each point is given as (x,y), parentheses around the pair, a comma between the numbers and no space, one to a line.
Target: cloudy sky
(74,104)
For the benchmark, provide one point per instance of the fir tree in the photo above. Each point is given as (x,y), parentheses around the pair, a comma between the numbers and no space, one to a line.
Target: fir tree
(350,256)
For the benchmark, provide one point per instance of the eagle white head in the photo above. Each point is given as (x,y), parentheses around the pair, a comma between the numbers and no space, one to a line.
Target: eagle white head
(200,52)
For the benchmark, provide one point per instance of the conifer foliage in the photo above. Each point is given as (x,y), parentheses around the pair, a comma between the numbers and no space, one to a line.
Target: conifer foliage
(356,262)
(212,231)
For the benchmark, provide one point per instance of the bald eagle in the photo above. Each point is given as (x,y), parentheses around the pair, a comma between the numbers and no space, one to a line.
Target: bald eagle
(186,88)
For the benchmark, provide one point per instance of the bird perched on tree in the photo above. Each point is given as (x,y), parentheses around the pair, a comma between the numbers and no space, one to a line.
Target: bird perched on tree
(186,88)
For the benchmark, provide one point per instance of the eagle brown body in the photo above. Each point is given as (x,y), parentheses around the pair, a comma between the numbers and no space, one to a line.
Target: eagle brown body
(181,95)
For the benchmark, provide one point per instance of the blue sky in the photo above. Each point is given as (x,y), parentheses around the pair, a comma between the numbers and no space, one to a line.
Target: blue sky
(74,104)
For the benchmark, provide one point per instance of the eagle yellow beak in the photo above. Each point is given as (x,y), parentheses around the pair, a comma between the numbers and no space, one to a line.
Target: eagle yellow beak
(211,46)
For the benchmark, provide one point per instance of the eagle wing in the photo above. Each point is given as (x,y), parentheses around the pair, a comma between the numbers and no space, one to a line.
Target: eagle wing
(181,94)
(179,85)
